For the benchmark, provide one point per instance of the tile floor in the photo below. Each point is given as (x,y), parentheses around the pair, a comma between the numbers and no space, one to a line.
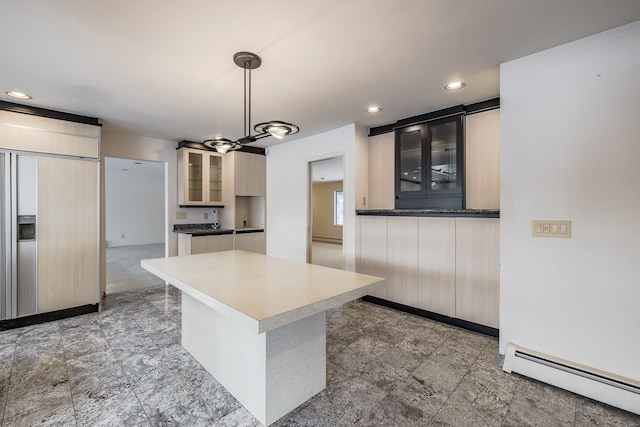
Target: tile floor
(123,267)
(327,254)
(125,367)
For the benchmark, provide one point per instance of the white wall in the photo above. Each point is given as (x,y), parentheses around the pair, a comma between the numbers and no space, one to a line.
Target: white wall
(134,206)
(288,189)
(570,150)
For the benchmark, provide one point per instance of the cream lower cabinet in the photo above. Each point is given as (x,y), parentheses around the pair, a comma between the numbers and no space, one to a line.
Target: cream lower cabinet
(251,242)
(478,270)
(191,245)
(371,248)
(402,260)
(448,266)
(437,265)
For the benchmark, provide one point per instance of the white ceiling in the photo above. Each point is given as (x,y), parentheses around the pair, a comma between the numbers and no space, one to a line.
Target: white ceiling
(328,170)
(164,68)
(133,167)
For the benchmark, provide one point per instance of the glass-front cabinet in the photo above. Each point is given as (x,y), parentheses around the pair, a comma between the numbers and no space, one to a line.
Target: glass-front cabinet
(199,178)
(429,165)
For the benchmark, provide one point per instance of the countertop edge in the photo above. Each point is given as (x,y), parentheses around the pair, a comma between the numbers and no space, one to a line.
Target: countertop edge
(461,213)
(204,232)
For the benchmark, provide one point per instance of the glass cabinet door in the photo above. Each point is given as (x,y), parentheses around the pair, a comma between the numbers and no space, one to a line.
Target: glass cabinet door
(444,164)
(429,165)
(215,178)
(194,174)
(411,161)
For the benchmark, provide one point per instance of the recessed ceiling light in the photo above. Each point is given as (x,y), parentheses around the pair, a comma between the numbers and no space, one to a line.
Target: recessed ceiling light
(374,109)
(454,86)
(18,95)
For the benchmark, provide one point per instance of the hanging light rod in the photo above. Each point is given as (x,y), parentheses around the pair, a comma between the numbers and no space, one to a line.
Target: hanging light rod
(250,61)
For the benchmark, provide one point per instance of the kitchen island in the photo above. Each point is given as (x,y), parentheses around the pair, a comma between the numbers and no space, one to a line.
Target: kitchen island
(258,323)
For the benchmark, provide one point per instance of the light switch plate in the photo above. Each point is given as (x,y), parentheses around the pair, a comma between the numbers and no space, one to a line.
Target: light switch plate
(549,228)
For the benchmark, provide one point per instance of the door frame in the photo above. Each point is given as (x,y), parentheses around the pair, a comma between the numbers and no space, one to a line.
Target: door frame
(103,215)
(310,164)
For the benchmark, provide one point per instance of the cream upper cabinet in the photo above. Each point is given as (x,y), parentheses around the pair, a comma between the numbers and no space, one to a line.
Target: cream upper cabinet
(199,178)
(381,168)
(482,160)
(26,132)
(250,174)
(478,270)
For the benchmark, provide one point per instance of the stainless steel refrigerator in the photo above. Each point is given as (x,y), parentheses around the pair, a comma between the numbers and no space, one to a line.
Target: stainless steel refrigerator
(19,243)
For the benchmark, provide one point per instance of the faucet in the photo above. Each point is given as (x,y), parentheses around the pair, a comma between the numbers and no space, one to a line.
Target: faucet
(214,217)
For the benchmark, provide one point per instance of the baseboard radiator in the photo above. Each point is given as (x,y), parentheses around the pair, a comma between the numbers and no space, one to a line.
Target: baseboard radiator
(623,393)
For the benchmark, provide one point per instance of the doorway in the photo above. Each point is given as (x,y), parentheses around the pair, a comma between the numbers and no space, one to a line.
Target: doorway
(135,221)
(326,206)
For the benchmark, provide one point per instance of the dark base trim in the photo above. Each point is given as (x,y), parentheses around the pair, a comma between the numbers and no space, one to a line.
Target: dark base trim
(493,332)
(47,317)
(201,206)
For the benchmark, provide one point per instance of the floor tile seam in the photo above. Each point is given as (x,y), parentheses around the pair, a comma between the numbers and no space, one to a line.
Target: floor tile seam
(4,410)
(452,392)
(66,365)
(513,395)
(11,380)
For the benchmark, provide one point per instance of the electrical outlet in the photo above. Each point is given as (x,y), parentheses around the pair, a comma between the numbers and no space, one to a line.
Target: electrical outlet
(544,228)
(206,215)
(122,236)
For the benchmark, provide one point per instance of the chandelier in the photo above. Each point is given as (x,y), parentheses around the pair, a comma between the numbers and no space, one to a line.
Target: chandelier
(249,61)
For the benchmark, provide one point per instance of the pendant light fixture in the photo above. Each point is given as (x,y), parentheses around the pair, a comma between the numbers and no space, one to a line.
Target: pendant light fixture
(250,61)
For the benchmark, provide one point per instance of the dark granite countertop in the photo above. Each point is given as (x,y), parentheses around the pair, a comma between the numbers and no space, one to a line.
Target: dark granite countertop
(247,230)
(200,229)
(469,213)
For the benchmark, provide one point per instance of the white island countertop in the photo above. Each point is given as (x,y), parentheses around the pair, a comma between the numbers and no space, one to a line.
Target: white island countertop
(266,291)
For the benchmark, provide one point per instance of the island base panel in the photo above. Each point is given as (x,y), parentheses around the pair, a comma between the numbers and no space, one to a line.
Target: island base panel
(270,373)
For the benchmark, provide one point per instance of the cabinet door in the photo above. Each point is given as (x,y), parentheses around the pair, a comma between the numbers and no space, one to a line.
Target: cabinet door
(482,153)
(250,174)
(381,171)
(430,165)
(402,260)
(410,161)
(204,244)
(214,178)
(194,177)
(67,233)
(199,178)
(437,265)
(478,270)
(251,242)
(371,248)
